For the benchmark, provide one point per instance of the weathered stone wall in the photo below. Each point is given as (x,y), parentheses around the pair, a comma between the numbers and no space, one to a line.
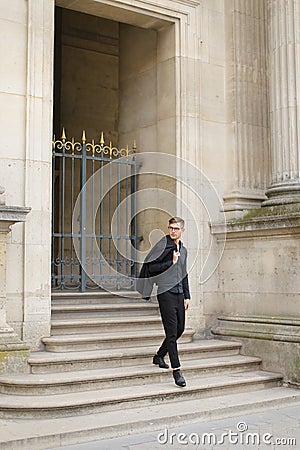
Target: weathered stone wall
(147,115)
(25,161)
(259,288)
(89,75)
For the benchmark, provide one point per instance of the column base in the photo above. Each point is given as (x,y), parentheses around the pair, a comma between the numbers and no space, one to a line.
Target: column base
(13,352)
(283,194)
(237,203)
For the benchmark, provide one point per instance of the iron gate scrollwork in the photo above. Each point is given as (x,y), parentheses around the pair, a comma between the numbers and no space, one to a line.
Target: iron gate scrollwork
(97,262)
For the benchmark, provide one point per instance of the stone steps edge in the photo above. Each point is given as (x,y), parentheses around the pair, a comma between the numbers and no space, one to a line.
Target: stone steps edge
(130,353)
(142,420)
(65,339)
(66,407)
(189,367)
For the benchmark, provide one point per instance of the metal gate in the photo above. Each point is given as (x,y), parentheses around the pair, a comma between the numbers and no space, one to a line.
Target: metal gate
(93,215)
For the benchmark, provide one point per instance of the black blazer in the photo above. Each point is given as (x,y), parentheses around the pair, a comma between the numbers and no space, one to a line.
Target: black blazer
(158,268)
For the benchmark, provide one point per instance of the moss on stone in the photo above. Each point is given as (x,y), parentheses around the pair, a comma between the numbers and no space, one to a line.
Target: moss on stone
(295,376)
(268,212)
(13,361)
(3,355)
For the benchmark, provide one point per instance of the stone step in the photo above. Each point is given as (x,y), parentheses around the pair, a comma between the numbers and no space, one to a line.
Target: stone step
(109,340)
(54,383)
(119,324)
(95,297)
(74,311)
(45,362)
(88,402)
(40,434)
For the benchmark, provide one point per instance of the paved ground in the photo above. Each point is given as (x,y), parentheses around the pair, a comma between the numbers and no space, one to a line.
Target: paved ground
(277,429)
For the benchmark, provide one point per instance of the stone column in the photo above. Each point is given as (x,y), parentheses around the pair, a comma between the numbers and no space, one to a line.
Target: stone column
(13,352)
(247,106)
(37,155)
(284,67)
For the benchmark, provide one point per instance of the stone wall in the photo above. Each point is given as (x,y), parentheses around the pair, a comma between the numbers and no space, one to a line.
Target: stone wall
(25,162)
(259,286)
(147,116)
(88,82)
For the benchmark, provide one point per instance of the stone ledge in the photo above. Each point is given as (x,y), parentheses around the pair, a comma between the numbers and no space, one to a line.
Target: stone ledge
(13,213)
(13,346)
(258,327)
(263,319)
(268,221)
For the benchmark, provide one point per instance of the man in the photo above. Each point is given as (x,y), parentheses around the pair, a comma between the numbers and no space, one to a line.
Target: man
(165,265)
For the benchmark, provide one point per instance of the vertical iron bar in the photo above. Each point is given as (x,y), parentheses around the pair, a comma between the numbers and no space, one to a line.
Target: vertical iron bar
(72,208)
(53,223)
(133,219)
(126,221)
(118,223)
(93,218)
(109,214)
(101,219)
(83,218)
(62,257)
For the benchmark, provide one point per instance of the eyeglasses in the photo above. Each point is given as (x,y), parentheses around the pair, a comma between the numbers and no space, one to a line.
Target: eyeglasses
(174,229)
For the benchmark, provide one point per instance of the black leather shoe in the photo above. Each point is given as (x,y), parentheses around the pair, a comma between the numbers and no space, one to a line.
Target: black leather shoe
(159,361)
(179,380)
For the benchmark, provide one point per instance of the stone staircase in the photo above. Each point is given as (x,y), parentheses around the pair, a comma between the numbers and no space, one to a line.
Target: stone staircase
(96,379)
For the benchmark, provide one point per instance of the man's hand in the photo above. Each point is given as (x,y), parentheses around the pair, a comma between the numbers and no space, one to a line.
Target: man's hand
(186,303)
(175,256)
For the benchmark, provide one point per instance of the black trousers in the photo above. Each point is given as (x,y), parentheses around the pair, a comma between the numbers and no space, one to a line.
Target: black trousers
(173,318)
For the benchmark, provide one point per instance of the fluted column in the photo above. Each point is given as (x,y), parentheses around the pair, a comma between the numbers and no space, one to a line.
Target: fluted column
(247,86)
(284,67)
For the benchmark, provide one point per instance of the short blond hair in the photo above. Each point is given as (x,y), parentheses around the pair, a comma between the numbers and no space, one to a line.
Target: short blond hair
(177,219)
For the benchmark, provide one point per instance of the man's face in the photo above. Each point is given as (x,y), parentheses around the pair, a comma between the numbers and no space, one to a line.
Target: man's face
(175,230)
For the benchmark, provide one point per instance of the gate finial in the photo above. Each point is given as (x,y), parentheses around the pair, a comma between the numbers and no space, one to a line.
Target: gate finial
(102,139)
(63,136)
